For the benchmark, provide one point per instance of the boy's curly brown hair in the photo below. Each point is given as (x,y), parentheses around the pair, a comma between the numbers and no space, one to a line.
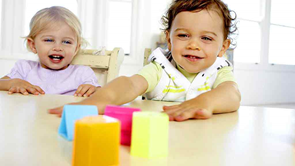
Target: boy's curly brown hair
(220,7)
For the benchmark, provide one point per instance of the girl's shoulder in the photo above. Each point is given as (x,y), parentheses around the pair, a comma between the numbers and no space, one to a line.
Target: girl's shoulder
(79,68)
(26,64)
(83,71)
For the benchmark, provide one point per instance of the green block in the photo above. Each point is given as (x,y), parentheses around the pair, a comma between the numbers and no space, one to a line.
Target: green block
(149,134)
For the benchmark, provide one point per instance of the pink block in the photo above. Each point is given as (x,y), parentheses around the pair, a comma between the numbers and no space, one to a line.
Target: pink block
(124,115)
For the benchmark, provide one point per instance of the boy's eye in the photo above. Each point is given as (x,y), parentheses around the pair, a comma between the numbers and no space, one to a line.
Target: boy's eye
(48,40)
(207,38)
(67,42)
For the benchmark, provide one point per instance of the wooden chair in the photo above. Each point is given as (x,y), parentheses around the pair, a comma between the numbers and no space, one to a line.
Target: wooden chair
(105,65)
(147,53)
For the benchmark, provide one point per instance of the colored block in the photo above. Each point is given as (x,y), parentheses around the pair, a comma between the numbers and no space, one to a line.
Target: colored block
(124,114)
(150,135)
(70,114)
(96,141)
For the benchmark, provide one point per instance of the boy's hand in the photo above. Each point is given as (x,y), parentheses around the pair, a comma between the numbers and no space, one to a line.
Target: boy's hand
(224,98)
(88,101)
(85,90)
(58,110)
(191,109)
(23,87)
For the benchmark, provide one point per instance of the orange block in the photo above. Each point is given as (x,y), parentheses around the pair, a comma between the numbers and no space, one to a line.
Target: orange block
(96,141)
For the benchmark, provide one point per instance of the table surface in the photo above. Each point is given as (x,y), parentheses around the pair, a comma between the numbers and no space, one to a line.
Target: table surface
(252,136)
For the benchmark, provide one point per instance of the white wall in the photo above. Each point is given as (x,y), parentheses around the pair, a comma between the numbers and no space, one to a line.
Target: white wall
(6,66)
(266,87)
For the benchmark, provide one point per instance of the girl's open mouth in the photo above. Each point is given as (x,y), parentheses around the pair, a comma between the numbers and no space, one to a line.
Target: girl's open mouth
(55,58)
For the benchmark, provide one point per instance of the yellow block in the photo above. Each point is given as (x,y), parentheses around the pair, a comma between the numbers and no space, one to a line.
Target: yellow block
(96,141)
(149,134)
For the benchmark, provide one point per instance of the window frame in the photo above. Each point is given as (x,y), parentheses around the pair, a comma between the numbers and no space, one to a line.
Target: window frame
(264,64)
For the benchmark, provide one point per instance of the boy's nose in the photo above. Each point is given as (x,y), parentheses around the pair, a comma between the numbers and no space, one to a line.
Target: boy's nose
(193,45)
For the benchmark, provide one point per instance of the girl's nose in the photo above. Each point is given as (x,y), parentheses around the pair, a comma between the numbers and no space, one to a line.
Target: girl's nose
(57,47)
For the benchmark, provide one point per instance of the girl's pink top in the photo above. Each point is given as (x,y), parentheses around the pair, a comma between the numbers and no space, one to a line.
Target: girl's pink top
(54,81)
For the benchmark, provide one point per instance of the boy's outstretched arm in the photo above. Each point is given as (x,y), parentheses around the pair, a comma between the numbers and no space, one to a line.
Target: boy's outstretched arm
(119,91)
(225,97)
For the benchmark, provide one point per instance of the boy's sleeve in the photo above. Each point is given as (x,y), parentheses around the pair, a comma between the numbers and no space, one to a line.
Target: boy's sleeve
(88,77)
(152,73)
(223,75)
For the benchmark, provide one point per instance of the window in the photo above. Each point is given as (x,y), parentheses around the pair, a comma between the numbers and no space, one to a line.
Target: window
(119,24)
(266,31)
(249,15)
(0,21)
(282,32)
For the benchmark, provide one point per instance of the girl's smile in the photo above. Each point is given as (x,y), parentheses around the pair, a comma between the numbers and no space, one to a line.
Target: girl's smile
(56,58)
(56,46)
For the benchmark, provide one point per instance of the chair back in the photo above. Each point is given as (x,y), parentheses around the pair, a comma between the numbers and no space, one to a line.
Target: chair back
(105,64)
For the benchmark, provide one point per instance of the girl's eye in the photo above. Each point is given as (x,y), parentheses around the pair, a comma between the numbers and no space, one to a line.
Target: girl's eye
(67,42)
(48,40)
(183,35)
(207,38)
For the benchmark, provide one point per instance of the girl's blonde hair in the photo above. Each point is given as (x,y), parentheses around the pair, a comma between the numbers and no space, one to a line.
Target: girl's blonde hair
(47,16)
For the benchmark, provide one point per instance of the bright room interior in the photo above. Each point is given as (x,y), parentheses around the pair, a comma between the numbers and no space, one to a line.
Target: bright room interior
(264,61)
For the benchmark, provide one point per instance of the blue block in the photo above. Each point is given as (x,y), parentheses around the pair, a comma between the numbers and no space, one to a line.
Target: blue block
(70,114)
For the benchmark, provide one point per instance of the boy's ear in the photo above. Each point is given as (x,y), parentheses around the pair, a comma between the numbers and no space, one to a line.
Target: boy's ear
(32,46)
(168,39)
(225,46)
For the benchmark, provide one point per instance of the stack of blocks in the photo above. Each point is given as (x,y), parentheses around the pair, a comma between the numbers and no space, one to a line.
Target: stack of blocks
(97,138)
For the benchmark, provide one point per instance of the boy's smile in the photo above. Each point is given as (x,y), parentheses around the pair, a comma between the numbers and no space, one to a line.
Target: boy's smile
(196,39)
(56,46)
(193,58)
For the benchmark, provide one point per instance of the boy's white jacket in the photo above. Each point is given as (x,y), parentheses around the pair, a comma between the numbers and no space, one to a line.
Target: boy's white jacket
(174,86)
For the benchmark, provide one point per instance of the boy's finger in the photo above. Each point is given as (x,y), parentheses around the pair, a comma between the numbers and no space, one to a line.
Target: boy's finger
(203,114)
(195,114)
(186,115)
(57,110)
(171,110)
(169,107)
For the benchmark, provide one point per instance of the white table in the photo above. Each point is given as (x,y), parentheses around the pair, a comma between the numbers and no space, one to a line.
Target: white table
(253,136)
